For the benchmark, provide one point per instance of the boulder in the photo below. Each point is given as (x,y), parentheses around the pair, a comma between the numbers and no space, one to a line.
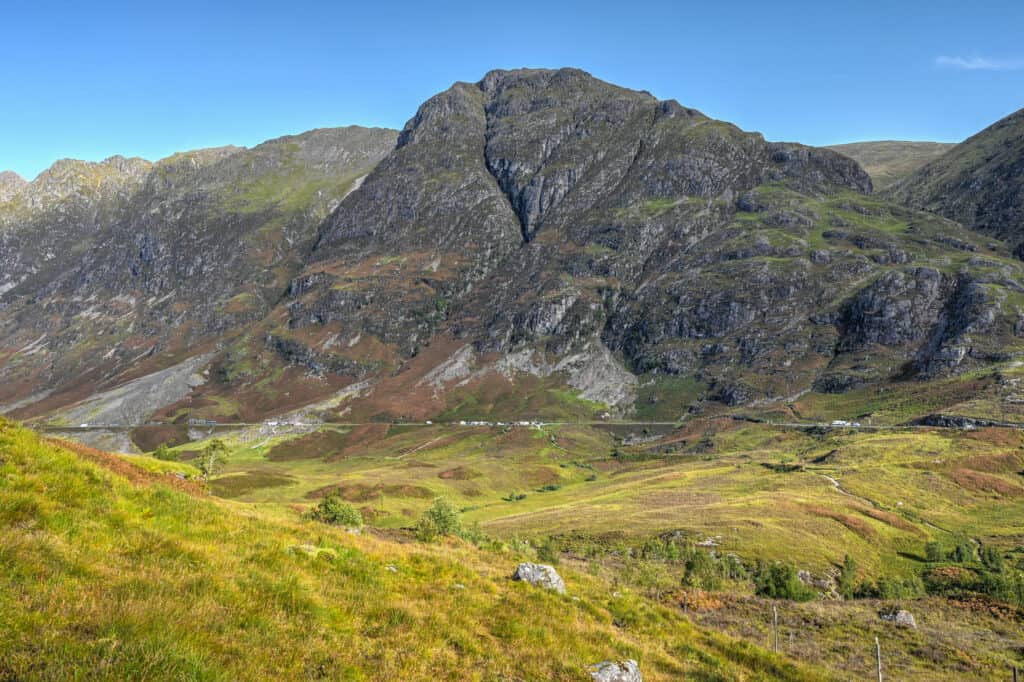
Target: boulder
(610,671)
(540,575)
(900,617)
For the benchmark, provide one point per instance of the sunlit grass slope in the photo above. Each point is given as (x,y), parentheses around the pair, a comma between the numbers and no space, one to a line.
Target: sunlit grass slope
(110,571)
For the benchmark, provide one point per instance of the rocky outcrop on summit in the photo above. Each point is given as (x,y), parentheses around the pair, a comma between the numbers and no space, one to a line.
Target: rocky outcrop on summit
(979,182)
(11,184)
(549,209)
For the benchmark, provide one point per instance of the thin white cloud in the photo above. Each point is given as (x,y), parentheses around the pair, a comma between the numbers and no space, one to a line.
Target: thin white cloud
(980,63)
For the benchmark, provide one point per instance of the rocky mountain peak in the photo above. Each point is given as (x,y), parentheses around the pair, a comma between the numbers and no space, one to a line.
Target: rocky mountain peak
(11,184)
(73,179)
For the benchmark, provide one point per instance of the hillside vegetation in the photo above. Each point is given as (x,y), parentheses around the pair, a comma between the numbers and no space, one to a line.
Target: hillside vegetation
(888,161)
(979,183)
(111,571)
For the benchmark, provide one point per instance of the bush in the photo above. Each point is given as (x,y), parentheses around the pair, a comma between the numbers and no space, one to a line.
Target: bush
(703,571)
(1003,585)
(336,512)
(933,552)
(847,584)
(992,558)
(894,588)
(963,553)
(164,453)
(547,551)
(211,458)
(440,520)
(780,581)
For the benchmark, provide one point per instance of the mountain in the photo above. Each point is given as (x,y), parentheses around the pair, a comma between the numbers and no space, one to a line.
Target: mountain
(538,243)
(979,183)
(108,266)
(888,161)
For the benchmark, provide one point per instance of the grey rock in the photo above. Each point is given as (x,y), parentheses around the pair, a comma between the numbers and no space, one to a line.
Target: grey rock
(621,671)
(901,618)
(540,575)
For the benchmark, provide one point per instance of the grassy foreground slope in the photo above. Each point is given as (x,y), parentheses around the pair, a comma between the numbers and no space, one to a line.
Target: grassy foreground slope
(114,571)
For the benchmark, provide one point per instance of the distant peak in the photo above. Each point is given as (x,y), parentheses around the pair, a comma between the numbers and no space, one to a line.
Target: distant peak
(11,184)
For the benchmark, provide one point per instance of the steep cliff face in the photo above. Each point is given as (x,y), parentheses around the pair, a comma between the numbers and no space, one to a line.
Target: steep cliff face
(979,182)
(106,264)
(551,212)
(534,239)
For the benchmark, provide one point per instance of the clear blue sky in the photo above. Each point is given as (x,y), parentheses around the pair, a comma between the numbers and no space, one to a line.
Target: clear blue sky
(91,79)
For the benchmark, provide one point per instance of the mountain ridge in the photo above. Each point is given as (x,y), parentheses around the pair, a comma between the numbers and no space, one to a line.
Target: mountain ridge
(538,232)
(977,183)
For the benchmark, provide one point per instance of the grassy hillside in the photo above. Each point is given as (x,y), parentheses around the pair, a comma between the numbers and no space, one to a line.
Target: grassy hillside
(890,160)
(977,184)
(765,492)
(110,570)
(930,517)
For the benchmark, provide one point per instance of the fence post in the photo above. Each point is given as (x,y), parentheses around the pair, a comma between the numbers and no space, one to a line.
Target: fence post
(878,658)
(775,626)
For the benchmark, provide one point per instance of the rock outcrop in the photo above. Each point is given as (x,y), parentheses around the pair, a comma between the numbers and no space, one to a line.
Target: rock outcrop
(621,671)
(540,575)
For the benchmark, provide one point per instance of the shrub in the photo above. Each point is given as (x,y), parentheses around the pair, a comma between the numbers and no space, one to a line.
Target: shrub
(440,520)
(847,584)
(164,453)
(992,558)
(336,512)
(547,551)
(933,552)
(211,459)
(780,581)
(703,571)
(1003,585)
(963,553)
(949,580)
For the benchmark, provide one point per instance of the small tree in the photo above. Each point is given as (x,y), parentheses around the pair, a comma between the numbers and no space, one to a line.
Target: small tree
(211,458)
(933,552)
(336,512)
(780,581)
(702,571)
(992,558)
(964,552)
(164,453)
(441,519)
(848,578)
(547,551)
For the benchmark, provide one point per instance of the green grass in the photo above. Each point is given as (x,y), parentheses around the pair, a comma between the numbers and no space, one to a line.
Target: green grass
(890,161)
(105,578)
(719,478)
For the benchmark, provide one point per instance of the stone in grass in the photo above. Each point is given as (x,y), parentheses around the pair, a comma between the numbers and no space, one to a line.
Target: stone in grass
(540,575)
(610,671)
(900,617)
